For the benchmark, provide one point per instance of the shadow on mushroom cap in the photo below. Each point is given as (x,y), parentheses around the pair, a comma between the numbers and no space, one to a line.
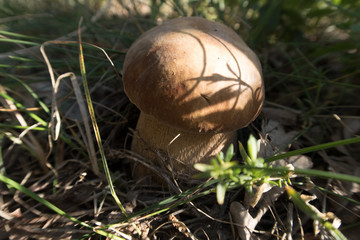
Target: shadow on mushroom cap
(195,75)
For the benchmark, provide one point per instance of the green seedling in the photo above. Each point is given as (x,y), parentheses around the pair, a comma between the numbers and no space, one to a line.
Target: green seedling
(229,173)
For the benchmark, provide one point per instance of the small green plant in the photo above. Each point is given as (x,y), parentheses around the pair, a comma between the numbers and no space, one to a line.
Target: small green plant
(255,173)
(230,174)
(220,168)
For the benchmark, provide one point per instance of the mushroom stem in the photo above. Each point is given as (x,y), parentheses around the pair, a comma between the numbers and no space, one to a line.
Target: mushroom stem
(173,148)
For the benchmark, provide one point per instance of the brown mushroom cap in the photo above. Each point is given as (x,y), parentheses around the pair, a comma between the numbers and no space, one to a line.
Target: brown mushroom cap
(195,75)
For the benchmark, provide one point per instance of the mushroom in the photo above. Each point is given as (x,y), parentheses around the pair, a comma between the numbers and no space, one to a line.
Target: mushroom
(196,82)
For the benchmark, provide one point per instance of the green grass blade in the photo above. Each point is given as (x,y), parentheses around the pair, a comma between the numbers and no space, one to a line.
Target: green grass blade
(44,202)
(313,149)
(20,106)
(96,128)
(295,197)
(338,195)
(17,41)
(54,208)
(282,171)
(32,93)
(174,201)
(327,175)
(3,125)
(17,35)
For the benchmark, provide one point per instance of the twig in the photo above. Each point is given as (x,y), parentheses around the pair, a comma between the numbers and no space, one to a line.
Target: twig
(244,222)
(290,221)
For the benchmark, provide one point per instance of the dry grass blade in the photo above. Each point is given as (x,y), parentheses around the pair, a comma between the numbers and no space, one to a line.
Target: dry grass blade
(89,141)
(55,123)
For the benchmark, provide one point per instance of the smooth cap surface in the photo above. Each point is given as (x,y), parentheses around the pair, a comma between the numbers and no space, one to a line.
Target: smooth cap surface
(195,75)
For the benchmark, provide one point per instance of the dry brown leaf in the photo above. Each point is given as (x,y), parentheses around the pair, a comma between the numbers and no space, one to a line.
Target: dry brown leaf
(284,117)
